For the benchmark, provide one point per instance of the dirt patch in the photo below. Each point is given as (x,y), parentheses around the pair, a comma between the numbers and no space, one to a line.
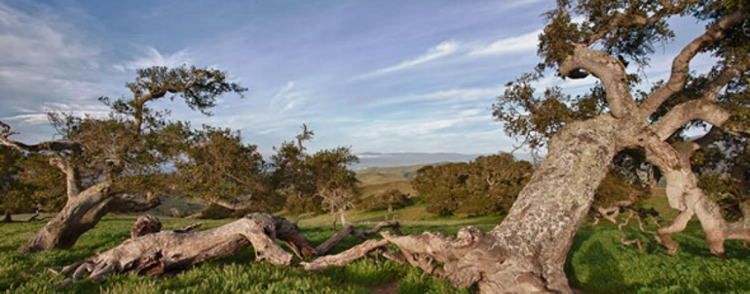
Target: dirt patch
(389,288)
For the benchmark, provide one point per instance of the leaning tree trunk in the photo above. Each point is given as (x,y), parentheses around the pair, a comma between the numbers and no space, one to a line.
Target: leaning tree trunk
(81,213)
(7,217)
(532,243)
(526,253)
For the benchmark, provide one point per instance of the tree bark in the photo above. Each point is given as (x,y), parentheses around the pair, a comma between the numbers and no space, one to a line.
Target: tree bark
(80,214)
(152,251)
(7,217)
(342,216)
(684,195)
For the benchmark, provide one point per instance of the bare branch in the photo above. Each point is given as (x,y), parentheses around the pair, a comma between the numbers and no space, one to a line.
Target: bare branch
(302,216)
(232,205)
(350,230)
(345,257)
(72,177)
(692,110)
(609,71)
(711,91)
(57,146)
(681,63)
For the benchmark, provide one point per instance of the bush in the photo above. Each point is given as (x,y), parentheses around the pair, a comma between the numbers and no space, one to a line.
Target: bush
(484,186)
(390,199)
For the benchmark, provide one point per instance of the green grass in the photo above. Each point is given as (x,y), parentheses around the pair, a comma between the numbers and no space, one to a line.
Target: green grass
(597,262)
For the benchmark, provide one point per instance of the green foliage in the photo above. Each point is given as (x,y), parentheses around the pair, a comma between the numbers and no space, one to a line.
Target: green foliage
(132,145)
(389,199)
(486,185)
(306,181)
(628,29)
(214,211)
(727,191)
(216,165)
(615,187)
(29,182)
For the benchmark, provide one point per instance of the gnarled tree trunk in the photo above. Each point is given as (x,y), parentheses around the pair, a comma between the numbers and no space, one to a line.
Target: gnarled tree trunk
(81,213)
(152,251)
(685,195)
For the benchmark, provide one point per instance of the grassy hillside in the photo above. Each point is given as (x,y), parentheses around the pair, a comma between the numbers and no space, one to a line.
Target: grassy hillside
(379,175)
(376,180)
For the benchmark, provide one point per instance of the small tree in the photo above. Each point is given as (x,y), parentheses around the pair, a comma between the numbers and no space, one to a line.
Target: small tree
(389,199)
(10,199)
(494,184)
(291,179)
(442,187)
(336,183)
(306,181)
(616,193)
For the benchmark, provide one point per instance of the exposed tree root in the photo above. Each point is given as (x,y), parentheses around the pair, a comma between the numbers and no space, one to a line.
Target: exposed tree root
(623,239)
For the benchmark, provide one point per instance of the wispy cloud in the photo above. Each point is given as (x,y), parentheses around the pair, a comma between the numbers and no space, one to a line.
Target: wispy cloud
(287,98)
(441,50)
(29,41)
(46,66)
(152,57)
(450,96)
(522,43)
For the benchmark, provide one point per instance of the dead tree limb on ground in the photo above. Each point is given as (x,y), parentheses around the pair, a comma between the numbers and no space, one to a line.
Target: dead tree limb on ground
(153,251)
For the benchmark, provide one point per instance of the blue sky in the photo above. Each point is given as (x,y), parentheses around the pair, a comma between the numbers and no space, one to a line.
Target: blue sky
(380,76)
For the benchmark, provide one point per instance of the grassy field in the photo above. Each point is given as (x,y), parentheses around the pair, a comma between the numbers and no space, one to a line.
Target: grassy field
(597,262)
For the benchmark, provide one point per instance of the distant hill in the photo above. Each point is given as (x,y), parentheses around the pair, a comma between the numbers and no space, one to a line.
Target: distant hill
(376,159)
(402,159)
(379,175)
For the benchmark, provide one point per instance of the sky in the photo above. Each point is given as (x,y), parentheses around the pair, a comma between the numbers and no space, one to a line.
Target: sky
(379,76)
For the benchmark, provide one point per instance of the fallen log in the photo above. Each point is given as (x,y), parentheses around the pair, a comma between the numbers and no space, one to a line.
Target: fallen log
(152,251)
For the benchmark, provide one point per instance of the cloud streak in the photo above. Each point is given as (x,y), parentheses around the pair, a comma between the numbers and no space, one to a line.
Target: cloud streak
(152,57)
(439,51)
(523,43)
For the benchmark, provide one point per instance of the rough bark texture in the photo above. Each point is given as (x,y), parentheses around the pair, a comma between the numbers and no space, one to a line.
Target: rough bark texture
(81,213)
(684,195)
(152,251)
